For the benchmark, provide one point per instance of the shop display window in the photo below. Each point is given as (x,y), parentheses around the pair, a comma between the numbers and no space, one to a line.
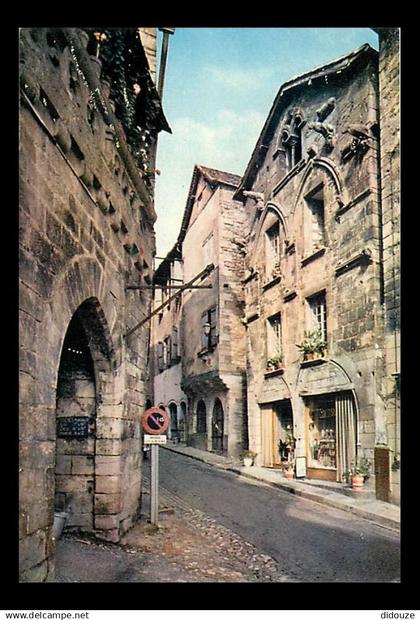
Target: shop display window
(322,450)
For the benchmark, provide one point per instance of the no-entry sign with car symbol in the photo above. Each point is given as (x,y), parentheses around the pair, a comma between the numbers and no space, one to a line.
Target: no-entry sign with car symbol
(155,421)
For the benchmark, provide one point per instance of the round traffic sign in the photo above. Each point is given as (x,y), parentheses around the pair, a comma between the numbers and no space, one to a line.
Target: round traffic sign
(155,421)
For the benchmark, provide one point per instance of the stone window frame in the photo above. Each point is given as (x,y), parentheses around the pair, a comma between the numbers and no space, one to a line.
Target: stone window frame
(175,346)
(272,259)
(290,139)
(167,350)
(274,338)
(318,319)
(312,204)
(160,356)
(209,342)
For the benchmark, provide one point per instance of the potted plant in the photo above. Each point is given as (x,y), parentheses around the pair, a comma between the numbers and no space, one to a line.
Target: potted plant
(289,469)
(248,457)
(313,345)
(359,473)
(275,363)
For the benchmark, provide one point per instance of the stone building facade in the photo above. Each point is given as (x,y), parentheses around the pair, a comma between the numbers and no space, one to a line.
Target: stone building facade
(389,98)
(86,234)
(312,197)
(167,349)
(209,374)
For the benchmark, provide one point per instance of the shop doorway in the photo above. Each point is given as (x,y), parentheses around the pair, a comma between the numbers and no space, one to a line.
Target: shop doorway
(217,427)
(331,423)
(277,440)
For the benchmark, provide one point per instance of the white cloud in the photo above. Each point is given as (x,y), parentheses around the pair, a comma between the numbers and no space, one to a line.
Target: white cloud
(235,77)
(224,142)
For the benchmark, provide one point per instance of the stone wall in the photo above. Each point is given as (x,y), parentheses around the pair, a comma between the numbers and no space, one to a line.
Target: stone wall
(389,97)
(215,235)
(346,266)
(86,232)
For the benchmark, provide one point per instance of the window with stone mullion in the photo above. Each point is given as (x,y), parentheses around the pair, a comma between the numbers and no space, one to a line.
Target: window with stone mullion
(274,338)
(319,311)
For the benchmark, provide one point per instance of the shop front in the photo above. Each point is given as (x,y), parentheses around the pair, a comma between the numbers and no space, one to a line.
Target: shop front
(330,423)
(331,440)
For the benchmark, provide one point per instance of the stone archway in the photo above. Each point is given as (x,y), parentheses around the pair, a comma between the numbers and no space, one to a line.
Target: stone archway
(173,414)
(218,427)
(183,422)
(84,363)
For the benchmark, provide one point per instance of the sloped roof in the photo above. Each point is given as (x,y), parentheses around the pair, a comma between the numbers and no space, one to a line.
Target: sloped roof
(214,177)
(219,176)
(339,65)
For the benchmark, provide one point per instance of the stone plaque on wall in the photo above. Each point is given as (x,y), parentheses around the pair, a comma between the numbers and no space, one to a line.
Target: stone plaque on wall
(73,427)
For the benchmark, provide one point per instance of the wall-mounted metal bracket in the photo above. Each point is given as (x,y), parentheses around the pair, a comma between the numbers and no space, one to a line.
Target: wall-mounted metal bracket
(199,276)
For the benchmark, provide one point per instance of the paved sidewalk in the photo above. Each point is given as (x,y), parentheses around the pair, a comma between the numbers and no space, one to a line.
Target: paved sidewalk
(363,504)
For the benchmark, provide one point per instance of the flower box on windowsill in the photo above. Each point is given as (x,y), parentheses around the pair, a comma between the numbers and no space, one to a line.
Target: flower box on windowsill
(273,372)
(311,359)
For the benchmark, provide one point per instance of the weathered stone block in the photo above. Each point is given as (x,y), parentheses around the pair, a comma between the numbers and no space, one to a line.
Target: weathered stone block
(82,464)
(107,465)
(108,522)
(107,484)
(106,447)
(75,484)
(107,503)
(83,520)
(109,428)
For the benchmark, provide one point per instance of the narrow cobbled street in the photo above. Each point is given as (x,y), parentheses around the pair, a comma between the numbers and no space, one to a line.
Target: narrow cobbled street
(266,535)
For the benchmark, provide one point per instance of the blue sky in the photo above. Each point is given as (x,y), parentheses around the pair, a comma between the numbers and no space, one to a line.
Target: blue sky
(220,84)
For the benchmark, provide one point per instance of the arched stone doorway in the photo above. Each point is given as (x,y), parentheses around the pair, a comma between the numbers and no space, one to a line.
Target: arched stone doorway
(217,427)
(183,422)
(201,417)
(331,420)
(84,362)
(173,414)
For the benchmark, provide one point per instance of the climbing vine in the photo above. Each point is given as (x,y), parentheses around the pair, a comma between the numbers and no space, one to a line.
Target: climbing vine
(125,67)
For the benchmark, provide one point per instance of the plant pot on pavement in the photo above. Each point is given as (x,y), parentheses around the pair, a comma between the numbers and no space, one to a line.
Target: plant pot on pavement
(357,481)
(289,474)
(248,462)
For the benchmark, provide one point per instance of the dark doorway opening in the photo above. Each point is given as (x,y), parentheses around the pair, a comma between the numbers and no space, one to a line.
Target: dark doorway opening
(76,429)
(218,427)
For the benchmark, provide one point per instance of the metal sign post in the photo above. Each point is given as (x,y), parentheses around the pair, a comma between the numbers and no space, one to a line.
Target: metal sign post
(154,486)
(155,421)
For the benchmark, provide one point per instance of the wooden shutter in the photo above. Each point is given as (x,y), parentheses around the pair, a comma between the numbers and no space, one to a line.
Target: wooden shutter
(174,352)
(160,355)
(213,326)
(167,351)
(204,338)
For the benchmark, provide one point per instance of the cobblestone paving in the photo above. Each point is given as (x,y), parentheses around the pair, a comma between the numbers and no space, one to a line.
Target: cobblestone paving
(199,544)
(188,546)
